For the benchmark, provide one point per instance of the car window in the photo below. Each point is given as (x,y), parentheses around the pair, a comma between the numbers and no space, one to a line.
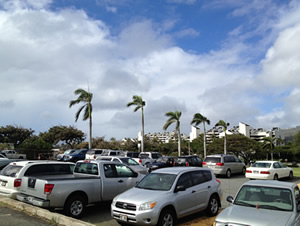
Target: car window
(198,177)
(47,169)
(11,170)
(185,180)
(144,156)
(282,165)
(117,160)
(156,156)
(213,159)
(124,171)
(109,170)
(262,165)
(157,181)
(86,168)
(276,165)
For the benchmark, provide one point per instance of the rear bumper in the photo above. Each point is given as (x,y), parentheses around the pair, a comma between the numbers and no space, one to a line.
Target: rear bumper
(33,200)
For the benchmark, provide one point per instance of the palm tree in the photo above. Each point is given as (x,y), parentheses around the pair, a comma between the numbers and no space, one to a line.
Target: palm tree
(268,143)
(224,125)
(198,118)
(139,103)
(174,117)
(86,98)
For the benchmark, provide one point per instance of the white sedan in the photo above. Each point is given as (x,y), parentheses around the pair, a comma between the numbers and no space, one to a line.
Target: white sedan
(268,170)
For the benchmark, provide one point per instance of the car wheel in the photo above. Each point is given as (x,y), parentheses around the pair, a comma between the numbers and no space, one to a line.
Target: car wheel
(75,206)
(291,175)
(275,177)
(167,217)
(213,206)
(243,171)
(228,173)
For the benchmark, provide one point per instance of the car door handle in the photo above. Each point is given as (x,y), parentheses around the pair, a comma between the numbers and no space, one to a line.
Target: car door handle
(193,191)
(120,181)
(208,186)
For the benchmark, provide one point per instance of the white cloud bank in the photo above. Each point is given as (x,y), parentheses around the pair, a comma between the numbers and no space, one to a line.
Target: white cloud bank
(46,55)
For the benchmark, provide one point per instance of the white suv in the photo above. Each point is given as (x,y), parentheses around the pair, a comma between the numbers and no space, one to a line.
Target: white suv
(148,157)
(11,175)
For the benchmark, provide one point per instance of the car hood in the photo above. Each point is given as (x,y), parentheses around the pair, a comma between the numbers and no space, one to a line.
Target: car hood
(139,196)
(252,216)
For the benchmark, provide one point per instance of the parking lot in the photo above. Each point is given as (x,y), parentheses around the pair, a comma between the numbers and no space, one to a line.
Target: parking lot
(100,214)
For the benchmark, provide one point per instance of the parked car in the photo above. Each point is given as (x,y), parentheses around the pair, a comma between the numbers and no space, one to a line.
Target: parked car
(11,176)
(162,162)
(222,164)
(60,157)
(148,157)
(167,194)
(263,203)
(76,155)
(12,154)
(108,152)
(93,181)
(133,155)
(94,153)
(189,160)
(269,170)
(5,161)
(3,156)
(127,161)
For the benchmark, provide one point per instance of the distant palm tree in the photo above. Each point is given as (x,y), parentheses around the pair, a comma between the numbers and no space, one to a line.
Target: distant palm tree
(198,118)
(174,117)
(224,125)
(86,98)
(268,143)
(139,103)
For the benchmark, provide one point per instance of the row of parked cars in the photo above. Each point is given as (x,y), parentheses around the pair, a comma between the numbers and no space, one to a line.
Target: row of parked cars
(157,198)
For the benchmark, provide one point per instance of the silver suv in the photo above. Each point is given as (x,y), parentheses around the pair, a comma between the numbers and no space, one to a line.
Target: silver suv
(168,194)
(224,164)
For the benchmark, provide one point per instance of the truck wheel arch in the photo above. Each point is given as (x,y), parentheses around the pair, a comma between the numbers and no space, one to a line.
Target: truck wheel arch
(78,196)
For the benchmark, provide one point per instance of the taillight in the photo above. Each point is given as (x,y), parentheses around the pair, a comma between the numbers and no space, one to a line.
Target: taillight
(248,171)
(48,188)
(264,172)
(203,163)
(187,164)
(140,160)
(218,181)
(220,164)
(95,156)
(17,183)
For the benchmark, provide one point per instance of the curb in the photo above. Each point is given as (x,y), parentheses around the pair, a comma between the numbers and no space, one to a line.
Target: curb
(43,213)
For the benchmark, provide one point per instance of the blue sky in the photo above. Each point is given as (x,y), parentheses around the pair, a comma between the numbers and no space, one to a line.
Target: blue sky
(233,60)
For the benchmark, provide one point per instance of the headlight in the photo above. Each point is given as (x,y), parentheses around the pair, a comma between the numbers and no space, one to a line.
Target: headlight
(147,205)
(114,201)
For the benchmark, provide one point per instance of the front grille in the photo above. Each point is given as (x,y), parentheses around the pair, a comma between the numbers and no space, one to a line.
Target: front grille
(126,206)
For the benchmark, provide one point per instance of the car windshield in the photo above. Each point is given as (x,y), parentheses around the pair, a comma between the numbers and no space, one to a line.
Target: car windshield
(262,165)
(69,151)
(162,159)
(157,181)
(265,198)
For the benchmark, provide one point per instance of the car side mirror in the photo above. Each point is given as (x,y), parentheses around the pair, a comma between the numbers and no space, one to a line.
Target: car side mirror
(229,199)
(179,188)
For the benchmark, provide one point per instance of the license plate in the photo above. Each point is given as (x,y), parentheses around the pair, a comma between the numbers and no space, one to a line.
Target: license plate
(254,171)
(123,217)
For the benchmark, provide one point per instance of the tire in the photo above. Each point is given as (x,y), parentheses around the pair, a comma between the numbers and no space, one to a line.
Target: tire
(275,177)
(243,171)
(167,217)
(213,206)
(75,206)
(291,175)
(228,173)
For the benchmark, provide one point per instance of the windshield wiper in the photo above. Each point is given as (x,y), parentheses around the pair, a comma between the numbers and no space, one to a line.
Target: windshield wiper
(272,207)
(244,204)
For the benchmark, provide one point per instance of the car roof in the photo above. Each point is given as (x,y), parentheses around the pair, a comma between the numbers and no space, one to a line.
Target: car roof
(267,161)
(24,163)
(178,170)
(270,183)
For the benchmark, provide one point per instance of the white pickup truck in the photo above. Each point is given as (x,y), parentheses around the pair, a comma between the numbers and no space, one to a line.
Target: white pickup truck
(12,154)
(93,181)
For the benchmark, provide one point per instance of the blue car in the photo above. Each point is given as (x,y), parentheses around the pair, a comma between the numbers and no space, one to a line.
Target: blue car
(162,162)
(79,154)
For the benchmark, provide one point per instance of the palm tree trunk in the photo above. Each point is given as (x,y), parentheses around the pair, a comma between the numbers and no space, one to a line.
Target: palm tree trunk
(204,140)
(179,143)
(225,151)
(142,143)
(90,129)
